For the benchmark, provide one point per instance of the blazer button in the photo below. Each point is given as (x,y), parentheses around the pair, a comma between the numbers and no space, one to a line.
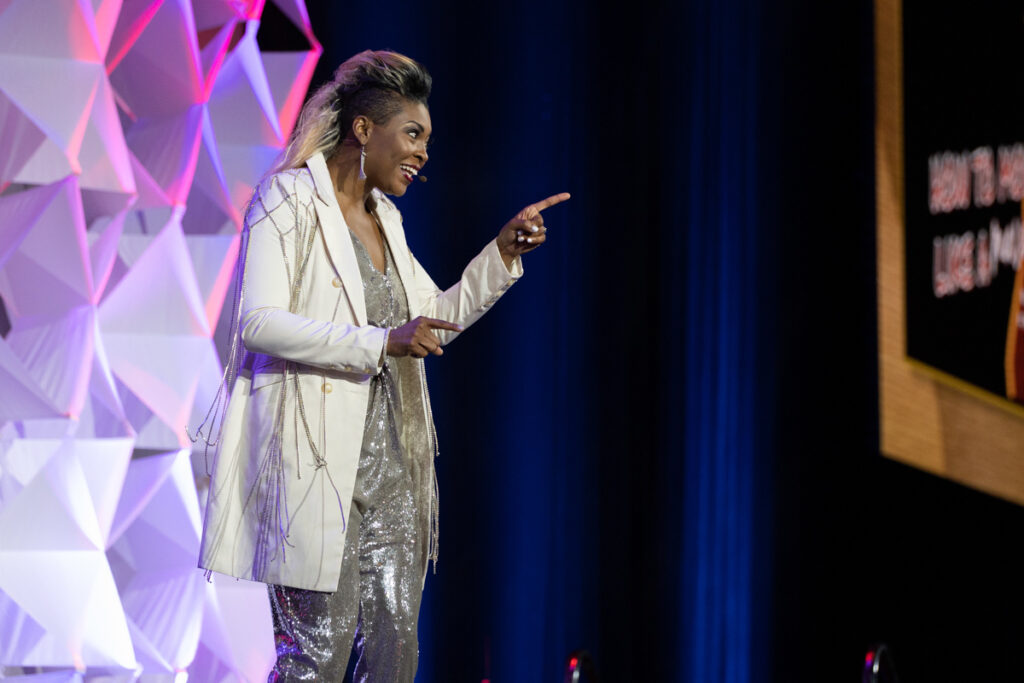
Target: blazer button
(327,388)
(336,282)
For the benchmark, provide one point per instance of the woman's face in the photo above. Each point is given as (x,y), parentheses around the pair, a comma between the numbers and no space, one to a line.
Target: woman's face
(397,150)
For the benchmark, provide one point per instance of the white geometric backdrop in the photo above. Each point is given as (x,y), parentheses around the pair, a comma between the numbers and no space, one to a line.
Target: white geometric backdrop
(131,134)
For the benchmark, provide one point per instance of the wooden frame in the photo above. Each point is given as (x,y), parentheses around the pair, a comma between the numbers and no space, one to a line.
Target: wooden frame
(928,419)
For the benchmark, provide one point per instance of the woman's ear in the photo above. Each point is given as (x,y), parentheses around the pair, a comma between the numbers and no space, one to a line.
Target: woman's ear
(361,128)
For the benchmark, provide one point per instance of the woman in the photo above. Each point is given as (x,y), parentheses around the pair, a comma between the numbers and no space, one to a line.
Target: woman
(323,484)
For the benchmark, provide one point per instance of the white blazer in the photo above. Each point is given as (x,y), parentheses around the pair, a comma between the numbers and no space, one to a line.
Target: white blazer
(286,462)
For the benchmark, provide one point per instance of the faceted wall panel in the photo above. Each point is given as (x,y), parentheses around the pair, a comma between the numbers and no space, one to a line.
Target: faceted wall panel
(133,132)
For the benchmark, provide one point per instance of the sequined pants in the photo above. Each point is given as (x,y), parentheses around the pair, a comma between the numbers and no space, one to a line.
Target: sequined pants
(377,602)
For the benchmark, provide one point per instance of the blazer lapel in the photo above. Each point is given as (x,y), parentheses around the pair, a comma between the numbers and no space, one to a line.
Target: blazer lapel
(396,240)
(337,238)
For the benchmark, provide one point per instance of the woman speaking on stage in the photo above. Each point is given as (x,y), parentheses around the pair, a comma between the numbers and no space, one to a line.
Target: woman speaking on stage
(322,483)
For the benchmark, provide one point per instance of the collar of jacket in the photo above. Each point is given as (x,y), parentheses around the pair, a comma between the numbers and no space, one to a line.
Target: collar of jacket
(336,238)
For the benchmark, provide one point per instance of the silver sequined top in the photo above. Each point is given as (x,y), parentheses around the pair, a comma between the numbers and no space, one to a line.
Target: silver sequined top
(386,306)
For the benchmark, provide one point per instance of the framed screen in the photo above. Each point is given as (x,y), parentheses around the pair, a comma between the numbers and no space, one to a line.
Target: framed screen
(950,186)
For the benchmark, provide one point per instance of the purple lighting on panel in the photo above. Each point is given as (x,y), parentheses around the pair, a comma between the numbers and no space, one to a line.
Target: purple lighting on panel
(122,185)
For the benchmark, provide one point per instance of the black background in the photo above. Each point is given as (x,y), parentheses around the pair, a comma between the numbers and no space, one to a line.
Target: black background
(866,549)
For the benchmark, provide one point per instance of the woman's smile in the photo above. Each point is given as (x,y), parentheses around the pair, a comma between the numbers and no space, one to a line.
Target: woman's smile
(409,172)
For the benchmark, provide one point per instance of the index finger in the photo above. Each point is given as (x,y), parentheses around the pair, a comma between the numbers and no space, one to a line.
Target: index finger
(436,324)
(550,201)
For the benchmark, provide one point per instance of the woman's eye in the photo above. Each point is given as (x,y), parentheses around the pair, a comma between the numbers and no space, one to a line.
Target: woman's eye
(414,134)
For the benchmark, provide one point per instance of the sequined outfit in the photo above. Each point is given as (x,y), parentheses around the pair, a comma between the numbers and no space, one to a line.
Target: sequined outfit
(378,597)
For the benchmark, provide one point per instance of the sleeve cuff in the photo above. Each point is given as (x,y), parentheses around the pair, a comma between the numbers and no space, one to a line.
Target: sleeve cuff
(500,272)
(497,278)
(373,348)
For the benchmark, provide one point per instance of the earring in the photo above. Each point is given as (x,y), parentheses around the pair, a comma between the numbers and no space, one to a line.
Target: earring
(362,163)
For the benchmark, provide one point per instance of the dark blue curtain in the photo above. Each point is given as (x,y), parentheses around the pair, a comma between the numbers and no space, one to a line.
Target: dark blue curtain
(605,458)
(726,482)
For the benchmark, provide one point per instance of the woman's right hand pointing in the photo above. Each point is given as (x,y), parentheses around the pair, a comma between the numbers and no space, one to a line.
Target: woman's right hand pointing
(416,337)
(526,231)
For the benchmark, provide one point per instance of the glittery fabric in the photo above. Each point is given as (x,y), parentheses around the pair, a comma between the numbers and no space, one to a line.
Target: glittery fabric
(378,598)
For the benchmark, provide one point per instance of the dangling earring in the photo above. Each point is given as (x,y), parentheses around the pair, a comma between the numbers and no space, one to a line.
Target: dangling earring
(362,163)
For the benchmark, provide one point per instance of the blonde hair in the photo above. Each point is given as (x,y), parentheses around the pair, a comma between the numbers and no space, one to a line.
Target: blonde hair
(371,83)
